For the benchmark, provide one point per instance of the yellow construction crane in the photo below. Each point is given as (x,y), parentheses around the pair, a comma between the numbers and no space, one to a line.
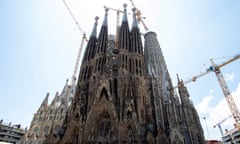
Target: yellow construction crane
(139,16)
(118,10)
(74,76)
(84,38)
(73,17)
(227,93)
(117,21)
(219,124)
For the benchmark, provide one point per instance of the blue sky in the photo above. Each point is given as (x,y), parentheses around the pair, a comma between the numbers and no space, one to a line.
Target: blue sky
(39,42)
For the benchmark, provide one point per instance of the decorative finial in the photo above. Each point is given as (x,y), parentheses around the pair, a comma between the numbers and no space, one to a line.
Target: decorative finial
(134,9)
(125,6)
(96,19)
(134,24)
(105,18)
(94,32)
(106,10)
(125,13)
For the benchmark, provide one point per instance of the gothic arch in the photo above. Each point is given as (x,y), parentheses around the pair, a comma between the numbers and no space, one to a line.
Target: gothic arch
(176,137)
(162,138)
(104,94)
(46,129)
(36,129)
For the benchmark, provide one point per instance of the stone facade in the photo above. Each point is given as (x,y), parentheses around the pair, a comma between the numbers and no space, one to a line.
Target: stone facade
(49,117)
(124,94)
(174,114)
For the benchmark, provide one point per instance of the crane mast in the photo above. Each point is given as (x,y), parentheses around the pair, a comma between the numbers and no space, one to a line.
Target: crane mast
(73,17)
(84,38)
(117,22)
(226,91)
(139,17)
(219,124)
(78,60)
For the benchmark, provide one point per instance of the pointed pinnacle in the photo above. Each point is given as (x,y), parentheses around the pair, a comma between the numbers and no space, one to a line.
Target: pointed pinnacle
(94,32)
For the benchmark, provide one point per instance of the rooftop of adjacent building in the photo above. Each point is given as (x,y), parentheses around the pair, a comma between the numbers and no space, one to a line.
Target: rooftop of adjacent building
(233,134)
(213,142)
(11,132)
(12,127)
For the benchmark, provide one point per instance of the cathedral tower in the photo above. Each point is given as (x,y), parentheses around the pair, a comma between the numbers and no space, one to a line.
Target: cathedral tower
(124,94)
(191,121)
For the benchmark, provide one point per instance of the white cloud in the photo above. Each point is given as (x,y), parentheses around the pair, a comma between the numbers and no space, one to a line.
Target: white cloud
(211,91)
(229,77)
(216,114)
(203,106)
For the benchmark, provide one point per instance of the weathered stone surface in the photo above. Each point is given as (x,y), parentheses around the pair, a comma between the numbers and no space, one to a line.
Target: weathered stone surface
(124,94)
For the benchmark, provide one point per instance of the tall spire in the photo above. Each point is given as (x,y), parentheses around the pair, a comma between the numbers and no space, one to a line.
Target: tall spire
(66,83)
(105,18)
(178,79)
(124,19)
(134,24)
(102,38)
(44,103)
(89,52)
(124,36)
(136,43)
(56,98)
(94,31)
